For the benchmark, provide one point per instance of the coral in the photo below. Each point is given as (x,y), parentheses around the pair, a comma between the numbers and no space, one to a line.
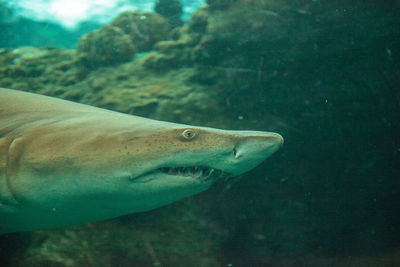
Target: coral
(107,46)
(144,28)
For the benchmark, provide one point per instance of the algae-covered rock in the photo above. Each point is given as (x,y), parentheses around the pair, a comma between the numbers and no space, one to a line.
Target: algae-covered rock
(125,87)
(220,4)
(170,54)
(107,46)
(118,42)
(171,10)
(179,51)
(146,239)
(198,21)
(144,28)
(33,69)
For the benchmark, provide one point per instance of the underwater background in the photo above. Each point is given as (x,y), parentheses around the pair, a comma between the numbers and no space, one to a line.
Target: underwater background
(324,74)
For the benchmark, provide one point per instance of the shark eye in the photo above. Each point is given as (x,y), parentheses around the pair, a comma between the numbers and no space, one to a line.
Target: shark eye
(188,134)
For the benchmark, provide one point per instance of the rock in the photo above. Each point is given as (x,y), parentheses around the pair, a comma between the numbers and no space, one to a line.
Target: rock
(171,10)
(118,42)
(220,4)
(179,51)
(107,46)
(32,69)
(199,21)
(144,28)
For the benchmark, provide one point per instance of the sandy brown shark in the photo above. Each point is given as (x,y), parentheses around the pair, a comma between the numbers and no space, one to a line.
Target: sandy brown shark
(64,163)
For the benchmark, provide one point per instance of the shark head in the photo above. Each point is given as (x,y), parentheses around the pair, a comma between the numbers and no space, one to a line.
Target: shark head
(203,155)
(79,164)
(184,160)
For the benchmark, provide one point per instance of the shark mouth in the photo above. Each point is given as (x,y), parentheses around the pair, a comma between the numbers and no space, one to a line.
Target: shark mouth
(196,172)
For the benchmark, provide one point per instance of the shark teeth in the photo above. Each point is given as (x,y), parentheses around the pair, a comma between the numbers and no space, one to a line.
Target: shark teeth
(196,172)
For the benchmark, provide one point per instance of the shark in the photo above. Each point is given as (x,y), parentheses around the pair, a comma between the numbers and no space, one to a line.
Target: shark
(64,163)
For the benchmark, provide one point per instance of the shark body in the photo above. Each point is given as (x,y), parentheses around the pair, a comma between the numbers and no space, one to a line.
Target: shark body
(64,163)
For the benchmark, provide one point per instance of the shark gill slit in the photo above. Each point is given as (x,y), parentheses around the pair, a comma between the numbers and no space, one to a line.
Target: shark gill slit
(11,162)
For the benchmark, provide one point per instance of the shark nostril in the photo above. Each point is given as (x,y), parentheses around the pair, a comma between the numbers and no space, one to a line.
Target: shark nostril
(235,152)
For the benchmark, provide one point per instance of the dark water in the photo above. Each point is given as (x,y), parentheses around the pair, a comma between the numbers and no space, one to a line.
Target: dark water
(324,74)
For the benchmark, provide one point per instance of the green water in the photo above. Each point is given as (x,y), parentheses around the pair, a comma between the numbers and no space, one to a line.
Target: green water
(324,74)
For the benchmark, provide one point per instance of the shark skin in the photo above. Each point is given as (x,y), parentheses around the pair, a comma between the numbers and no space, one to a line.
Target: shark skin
(64,163)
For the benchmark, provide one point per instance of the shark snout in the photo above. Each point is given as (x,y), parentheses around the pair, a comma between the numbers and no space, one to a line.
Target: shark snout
(258,144)
(253,147)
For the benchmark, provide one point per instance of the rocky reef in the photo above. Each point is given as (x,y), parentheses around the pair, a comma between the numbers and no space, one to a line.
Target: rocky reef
(118,42)
(106,46)
(325,75)
(145,28)
(171,10)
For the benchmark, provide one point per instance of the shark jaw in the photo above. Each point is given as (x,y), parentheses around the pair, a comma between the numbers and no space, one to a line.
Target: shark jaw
(197,173)
(244,151)
(63,163)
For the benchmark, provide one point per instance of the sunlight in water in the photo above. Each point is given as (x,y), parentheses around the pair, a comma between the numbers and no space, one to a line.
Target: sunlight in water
(70,13)
(69,9)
